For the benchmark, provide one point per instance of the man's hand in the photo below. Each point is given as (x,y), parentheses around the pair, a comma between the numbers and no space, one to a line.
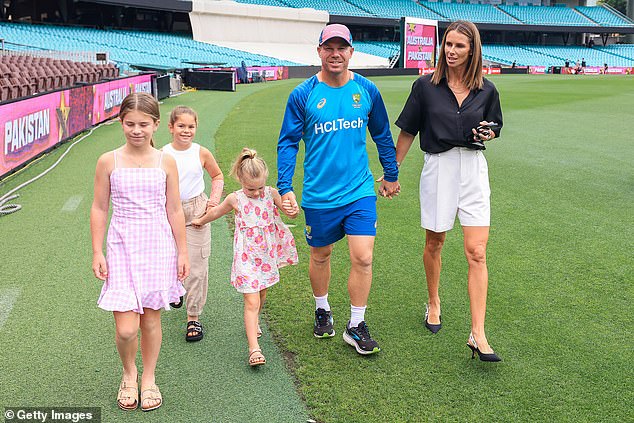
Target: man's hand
(289,205)
(389,189)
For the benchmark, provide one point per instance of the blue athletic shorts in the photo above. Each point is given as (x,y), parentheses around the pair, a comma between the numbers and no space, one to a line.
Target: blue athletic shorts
(327,226)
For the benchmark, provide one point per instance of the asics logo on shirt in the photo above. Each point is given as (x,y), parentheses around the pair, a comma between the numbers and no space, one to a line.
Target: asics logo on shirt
(321,103)
(337,125)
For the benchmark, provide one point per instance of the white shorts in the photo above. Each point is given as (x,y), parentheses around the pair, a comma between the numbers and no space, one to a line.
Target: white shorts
(455,181)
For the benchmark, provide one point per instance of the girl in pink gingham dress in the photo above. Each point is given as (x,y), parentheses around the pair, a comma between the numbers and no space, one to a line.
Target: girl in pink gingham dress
(146,247)
(141,252)
(262,243)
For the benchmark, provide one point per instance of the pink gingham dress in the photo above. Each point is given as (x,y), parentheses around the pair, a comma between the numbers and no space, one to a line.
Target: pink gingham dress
(140,251)
(262,243)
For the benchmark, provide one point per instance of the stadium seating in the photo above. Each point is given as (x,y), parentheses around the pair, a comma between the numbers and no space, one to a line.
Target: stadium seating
(377,48)
(529,55)
(131,48)
(23,75)
(334,7)
(542,15)
(450,11)
(479,13)
(395,9)
(603,16)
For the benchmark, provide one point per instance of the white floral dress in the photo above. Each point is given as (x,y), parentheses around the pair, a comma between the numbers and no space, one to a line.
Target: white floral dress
(262,243)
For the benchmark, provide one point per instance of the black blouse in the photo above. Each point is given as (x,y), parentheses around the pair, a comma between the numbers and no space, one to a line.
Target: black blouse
(433,111)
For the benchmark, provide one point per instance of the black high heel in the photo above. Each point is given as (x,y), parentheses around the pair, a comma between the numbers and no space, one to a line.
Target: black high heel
(432,327)
(491,357)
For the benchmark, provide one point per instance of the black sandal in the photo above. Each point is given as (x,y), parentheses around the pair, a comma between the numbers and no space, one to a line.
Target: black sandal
(194,327)
(179,304)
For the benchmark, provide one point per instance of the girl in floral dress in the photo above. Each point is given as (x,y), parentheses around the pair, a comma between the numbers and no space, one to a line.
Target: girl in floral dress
(262,243)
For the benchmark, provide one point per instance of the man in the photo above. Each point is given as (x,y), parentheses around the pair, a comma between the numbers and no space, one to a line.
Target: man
(330,111)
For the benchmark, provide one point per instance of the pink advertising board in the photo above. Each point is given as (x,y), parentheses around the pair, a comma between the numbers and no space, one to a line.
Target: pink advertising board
(34,125)
(108,96)
(418,43)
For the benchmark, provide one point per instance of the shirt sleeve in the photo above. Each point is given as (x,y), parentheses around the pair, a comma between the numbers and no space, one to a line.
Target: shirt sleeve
(494,111)
(410,118)
(288,142)
(379,127)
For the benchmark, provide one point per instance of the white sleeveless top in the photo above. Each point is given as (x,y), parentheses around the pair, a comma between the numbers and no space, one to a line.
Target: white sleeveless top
(190,171)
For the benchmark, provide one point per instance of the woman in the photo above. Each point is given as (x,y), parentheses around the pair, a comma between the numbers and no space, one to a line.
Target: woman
(454,110)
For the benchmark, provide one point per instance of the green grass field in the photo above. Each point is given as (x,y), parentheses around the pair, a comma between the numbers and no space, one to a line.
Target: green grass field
(560,293)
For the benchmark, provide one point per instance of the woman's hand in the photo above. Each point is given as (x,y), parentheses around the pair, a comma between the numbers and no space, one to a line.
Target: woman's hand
(485,134)
(389,189)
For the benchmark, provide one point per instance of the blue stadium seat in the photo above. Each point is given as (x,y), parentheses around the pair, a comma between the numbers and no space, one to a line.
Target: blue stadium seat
(604,16)
(129,48)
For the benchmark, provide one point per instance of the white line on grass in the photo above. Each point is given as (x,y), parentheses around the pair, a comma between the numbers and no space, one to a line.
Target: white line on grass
(72,203)
(7,299)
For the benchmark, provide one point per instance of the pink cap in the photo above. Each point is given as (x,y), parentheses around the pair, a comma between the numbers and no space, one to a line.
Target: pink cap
(333,31)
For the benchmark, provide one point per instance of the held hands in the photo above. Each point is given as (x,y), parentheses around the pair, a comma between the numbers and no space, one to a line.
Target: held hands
(99,267)
(198,222)
(289,205)
(388,189)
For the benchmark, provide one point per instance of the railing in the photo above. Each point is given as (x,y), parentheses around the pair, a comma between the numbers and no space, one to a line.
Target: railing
(394,59)
(75,56)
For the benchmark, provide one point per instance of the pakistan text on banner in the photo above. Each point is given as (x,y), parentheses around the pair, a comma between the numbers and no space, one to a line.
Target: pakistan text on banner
(31,126)
(418,42)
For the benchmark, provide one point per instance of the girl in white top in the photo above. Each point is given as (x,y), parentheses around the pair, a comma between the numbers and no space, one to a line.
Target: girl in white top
(192,160)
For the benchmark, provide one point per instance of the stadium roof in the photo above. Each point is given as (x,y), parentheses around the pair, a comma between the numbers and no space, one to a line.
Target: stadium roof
(169,5)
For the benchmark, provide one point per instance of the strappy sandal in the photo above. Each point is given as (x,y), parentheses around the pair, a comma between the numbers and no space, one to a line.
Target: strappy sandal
(128,391)
(151,393)
(194,331)
(179,304)
(259,358)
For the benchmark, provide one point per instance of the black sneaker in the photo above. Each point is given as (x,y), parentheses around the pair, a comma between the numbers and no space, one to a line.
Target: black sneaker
(323,324)
(359,337)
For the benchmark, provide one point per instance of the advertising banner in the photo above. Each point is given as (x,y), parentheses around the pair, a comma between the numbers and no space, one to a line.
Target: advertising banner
(269,73)
(418,42)
(33,125)
(108,96)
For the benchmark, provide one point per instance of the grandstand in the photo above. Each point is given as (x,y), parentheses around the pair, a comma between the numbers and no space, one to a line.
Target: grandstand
(527,35)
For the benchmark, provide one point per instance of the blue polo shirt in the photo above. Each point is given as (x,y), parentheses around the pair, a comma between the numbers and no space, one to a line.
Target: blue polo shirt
(332,121)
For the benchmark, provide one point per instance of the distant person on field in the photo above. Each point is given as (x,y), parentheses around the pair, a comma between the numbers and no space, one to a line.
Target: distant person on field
(192,161)
(331,112)
(454,111)
(262,243)
(146,248)
(243,73)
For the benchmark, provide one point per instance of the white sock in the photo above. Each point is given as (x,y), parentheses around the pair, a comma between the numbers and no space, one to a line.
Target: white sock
(322,302)
(357,315)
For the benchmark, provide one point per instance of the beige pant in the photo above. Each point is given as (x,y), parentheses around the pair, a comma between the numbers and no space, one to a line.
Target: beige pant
(199,249)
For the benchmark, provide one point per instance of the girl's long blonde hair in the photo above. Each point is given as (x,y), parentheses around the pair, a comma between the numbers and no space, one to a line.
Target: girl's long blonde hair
(472,77)
(249,165)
